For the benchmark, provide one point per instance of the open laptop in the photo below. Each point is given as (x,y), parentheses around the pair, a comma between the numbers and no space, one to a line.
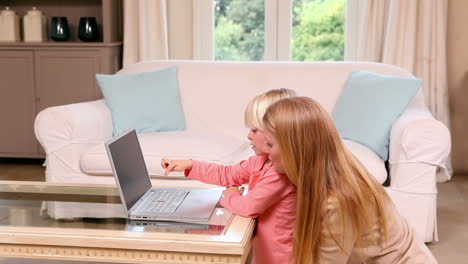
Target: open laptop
(140,200)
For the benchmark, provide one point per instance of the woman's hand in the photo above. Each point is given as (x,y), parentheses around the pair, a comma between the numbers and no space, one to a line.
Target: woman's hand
(175,165)
(233,190)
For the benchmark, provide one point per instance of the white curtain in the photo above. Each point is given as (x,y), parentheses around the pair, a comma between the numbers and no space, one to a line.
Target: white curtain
(407,33)
(145,31)
(162,29)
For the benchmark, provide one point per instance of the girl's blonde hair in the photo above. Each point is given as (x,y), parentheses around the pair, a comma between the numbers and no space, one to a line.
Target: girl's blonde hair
(316,161)
(259,104)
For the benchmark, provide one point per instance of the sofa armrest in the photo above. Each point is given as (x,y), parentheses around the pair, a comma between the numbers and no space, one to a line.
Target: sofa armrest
(58,126)
(416,137)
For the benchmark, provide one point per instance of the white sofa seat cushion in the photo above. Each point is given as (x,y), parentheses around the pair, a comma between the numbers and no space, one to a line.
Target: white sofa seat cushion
(373,163)
(206,146)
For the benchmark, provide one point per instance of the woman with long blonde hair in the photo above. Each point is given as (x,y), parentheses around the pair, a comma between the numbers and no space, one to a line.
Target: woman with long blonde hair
(343,215)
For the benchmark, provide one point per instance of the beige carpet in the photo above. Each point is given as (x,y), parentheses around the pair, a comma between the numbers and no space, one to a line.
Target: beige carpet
(452,218)
(452,210)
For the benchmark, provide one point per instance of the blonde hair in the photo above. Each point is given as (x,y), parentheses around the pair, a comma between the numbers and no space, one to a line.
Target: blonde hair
(259,104)
(316,161)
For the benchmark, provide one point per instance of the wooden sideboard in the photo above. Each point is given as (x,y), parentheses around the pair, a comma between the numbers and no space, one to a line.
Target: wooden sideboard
(34,76)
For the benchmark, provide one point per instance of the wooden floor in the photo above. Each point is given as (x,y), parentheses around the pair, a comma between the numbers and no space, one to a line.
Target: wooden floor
(452,211)
(22,169)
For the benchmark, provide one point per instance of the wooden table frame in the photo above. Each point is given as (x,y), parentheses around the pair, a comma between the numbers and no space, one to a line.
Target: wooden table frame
(125,246)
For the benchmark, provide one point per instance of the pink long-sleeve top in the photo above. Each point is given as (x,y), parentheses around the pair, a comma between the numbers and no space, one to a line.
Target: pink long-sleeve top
(271,199)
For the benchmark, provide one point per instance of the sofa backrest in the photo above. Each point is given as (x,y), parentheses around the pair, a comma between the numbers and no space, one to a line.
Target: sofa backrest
(214,94)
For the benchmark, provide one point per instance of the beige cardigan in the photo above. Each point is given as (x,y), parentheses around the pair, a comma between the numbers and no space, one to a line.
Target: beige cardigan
(401,246)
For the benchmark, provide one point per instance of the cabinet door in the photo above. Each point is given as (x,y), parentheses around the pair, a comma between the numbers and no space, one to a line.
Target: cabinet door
(17,103)
(66,76)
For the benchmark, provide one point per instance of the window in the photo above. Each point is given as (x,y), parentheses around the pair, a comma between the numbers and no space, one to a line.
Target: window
(318,30)
(300,30)
(239,29)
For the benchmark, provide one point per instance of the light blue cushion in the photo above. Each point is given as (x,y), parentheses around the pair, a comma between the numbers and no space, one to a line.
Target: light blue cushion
(370,104)
(147,101)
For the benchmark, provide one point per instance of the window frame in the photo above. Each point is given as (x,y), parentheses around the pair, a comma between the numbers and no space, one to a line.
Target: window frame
(278,30)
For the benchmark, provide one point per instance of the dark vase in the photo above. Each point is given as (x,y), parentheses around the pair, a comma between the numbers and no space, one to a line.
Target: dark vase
(88,30)
(59,30)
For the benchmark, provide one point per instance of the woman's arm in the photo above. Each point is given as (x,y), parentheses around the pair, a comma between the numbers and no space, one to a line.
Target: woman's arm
(337,237)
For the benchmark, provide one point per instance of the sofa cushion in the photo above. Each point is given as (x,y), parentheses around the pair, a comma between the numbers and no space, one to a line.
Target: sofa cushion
(373,163)
(370,104)
(206,146)
(147,102)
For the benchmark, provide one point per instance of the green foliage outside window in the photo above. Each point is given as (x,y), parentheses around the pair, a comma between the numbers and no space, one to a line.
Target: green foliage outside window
(239,32)
(319,32)
(318,29)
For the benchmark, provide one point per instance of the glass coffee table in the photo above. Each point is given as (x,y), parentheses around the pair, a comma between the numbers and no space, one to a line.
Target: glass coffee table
(27,231)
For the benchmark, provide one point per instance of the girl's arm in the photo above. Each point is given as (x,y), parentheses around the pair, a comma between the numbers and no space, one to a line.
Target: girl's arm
(223,175)
(270,189)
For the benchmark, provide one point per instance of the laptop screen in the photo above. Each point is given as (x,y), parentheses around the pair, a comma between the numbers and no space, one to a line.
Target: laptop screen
(129,167)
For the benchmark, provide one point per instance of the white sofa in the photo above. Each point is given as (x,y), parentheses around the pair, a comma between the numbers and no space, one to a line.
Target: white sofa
(214,96)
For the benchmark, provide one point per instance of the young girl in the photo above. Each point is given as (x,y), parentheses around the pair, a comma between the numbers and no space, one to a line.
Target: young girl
(271,197)
(343,214)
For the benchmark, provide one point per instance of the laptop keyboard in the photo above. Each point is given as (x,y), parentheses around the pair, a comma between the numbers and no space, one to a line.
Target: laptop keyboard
(164,201)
